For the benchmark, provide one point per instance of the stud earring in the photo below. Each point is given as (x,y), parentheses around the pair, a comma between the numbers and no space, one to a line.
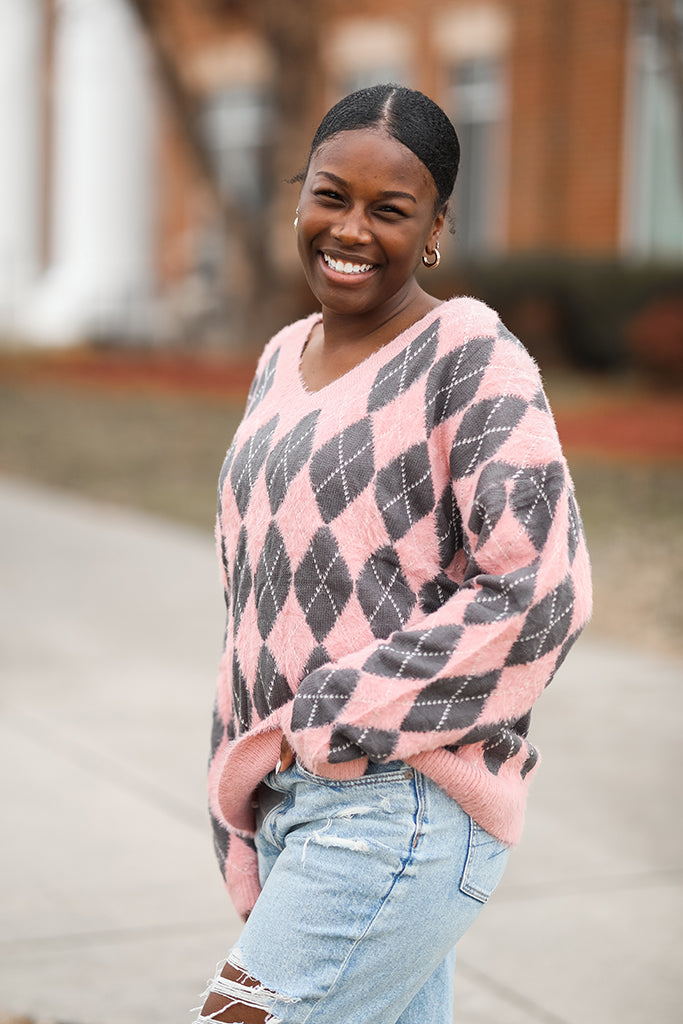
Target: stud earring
(296,219)
(430,264)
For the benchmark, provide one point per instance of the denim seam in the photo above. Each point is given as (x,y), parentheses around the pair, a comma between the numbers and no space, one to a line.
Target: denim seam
(466,886)
(397,775)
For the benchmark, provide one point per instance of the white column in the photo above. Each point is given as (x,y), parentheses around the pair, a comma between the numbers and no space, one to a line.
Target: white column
(101,277)
(21,55)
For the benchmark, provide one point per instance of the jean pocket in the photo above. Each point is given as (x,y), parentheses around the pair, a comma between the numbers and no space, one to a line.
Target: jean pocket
(484,865)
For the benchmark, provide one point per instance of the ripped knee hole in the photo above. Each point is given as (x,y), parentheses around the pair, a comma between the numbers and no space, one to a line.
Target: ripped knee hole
(235,997)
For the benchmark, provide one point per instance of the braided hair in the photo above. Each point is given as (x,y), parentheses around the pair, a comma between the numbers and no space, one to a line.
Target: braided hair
(410,117)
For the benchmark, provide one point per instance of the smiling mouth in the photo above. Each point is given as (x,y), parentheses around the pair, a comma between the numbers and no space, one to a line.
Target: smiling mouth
(346,267)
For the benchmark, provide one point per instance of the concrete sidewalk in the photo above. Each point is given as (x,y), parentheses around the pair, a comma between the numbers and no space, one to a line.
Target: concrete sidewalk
(112,907)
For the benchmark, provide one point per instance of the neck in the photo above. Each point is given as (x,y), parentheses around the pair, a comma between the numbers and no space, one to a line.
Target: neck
(372,331)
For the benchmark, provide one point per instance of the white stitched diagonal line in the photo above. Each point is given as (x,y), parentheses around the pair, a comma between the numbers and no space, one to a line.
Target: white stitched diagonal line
(483,435)
(542,634)
(322,585)
(405,489)
(267,689)
(342,466)
(282,464)
(386,595)
(251,451)
(448,702)
(455,381)
(418,652)
(540,496)
(451,526)
(409,356)
(507,591)
(315,698)
(271,570)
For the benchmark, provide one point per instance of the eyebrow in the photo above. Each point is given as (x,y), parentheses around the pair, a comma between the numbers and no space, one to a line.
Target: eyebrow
(389,194)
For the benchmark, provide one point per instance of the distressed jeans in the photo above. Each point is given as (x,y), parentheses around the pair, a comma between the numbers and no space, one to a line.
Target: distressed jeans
(367,886)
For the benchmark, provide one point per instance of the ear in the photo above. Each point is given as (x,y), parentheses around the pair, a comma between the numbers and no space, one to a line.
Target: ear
(437,227)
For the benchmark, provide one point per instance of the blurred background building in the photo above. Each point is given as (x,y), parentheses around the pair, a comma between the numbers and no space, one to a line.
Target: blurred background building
(146,146)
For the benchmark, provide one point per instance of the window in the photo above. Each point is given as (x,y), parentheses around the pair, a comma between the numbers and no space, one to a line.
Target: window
(363,78)
(477,105)
(369,51)
(235,122)
(655,195)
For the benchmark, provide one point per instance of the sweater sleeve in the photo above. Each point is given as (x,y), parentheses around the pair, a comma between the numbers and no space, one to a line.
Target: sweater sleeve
(490,636)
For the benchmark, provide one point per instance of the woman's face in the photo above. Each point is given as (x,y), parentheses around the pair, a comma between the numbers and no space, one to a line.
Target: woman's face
(366,213)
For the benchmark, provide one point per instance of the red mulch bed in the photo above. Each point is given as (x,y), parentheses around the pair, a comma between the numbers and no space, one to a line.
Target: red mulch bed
(648,426)
(645,425)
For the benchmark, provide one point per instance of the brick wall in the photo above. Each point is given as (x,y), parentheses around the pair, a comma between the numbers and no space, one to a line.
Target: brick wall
(565,69)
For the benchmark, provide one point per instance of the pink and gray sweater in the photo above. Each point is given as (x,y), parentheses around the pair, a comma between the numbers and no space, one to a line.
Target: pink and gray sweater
(404,568)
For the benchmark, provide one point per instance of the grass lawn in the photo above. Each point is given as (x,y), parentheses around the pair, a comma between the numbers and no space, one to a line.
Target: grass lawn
(161,451)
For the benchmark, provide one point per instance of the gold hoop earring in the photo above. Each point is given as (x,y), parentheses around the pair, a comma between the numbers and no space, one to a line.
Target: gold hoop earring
(430,264)
(296,219)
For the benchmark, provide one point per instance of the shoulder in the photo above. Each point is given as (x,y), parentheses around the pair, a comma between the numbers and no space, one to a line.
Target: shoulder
(292,334)
(465,320)
(289,339)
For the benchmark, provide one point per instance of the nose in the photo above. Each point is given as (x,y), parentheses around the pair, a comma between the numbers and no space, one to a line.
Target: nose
(351,228)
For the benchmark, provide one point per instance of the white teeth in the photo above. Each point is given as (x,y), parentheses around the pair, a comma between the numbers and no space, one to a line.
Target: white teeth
(346,268)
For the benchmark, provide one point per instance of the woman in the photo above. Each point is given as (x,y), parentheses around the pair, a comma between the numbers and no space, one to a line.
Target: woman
(405,569)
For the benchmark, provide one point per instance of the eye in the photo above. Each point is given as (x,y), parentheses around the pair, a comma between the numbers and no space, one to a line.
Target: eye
(328,193)
(389,210)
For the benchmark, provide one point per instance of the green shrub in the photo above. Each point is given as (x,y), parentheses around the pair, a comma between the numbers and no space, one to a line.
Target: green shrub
(578,311)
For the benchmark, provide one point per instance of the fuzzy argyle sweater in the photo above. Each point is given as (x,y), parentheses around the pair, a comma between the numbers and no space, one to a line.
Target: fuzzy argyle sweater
(404,569)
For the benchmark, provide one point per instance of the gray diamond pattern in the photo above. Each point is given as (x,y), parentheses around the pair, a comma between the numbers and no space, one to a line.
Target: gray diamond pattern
(404,492)
(241,579)
(322,697)
(405,369)
(349,742)
(484,428)
(322,583)
(436,592)
(271,689)
(262,384)
(247,464)
(545,627)
(448,526)
(454,380)
(384,594)
(420,654)
(490,499)
(241,701)
(534,499)
(342,469)
(451,703)
(288,457)
(502,596)
(272,580)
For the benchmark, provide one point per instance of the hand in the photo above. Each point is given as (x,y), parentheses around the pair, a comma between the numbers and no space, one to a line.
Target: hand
(286,756)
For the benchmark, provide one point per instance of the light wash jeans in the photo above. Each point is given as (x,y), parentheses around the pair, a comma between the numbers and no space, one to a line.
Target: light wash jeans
(367,886)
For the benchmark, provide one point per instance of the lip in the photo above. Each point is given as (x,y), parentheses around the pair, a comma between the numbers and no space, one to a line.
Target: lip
(346,258)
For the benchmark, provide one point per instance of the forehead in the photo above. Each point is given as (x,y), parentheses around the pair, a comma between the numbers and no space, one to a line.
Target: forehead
(374,157)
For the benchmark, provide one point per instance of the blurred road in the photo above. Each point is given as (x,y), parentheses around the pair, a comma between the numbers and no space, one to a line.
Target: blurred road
(112,907)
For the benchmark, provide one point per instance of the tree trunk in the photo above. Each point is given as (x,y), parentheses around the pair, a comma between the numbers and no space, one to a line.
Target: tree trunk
(262,290)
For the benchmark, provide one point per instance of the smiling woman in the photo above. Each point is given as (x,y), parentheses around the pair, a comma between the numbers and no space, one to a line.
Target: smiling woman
(404,570)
